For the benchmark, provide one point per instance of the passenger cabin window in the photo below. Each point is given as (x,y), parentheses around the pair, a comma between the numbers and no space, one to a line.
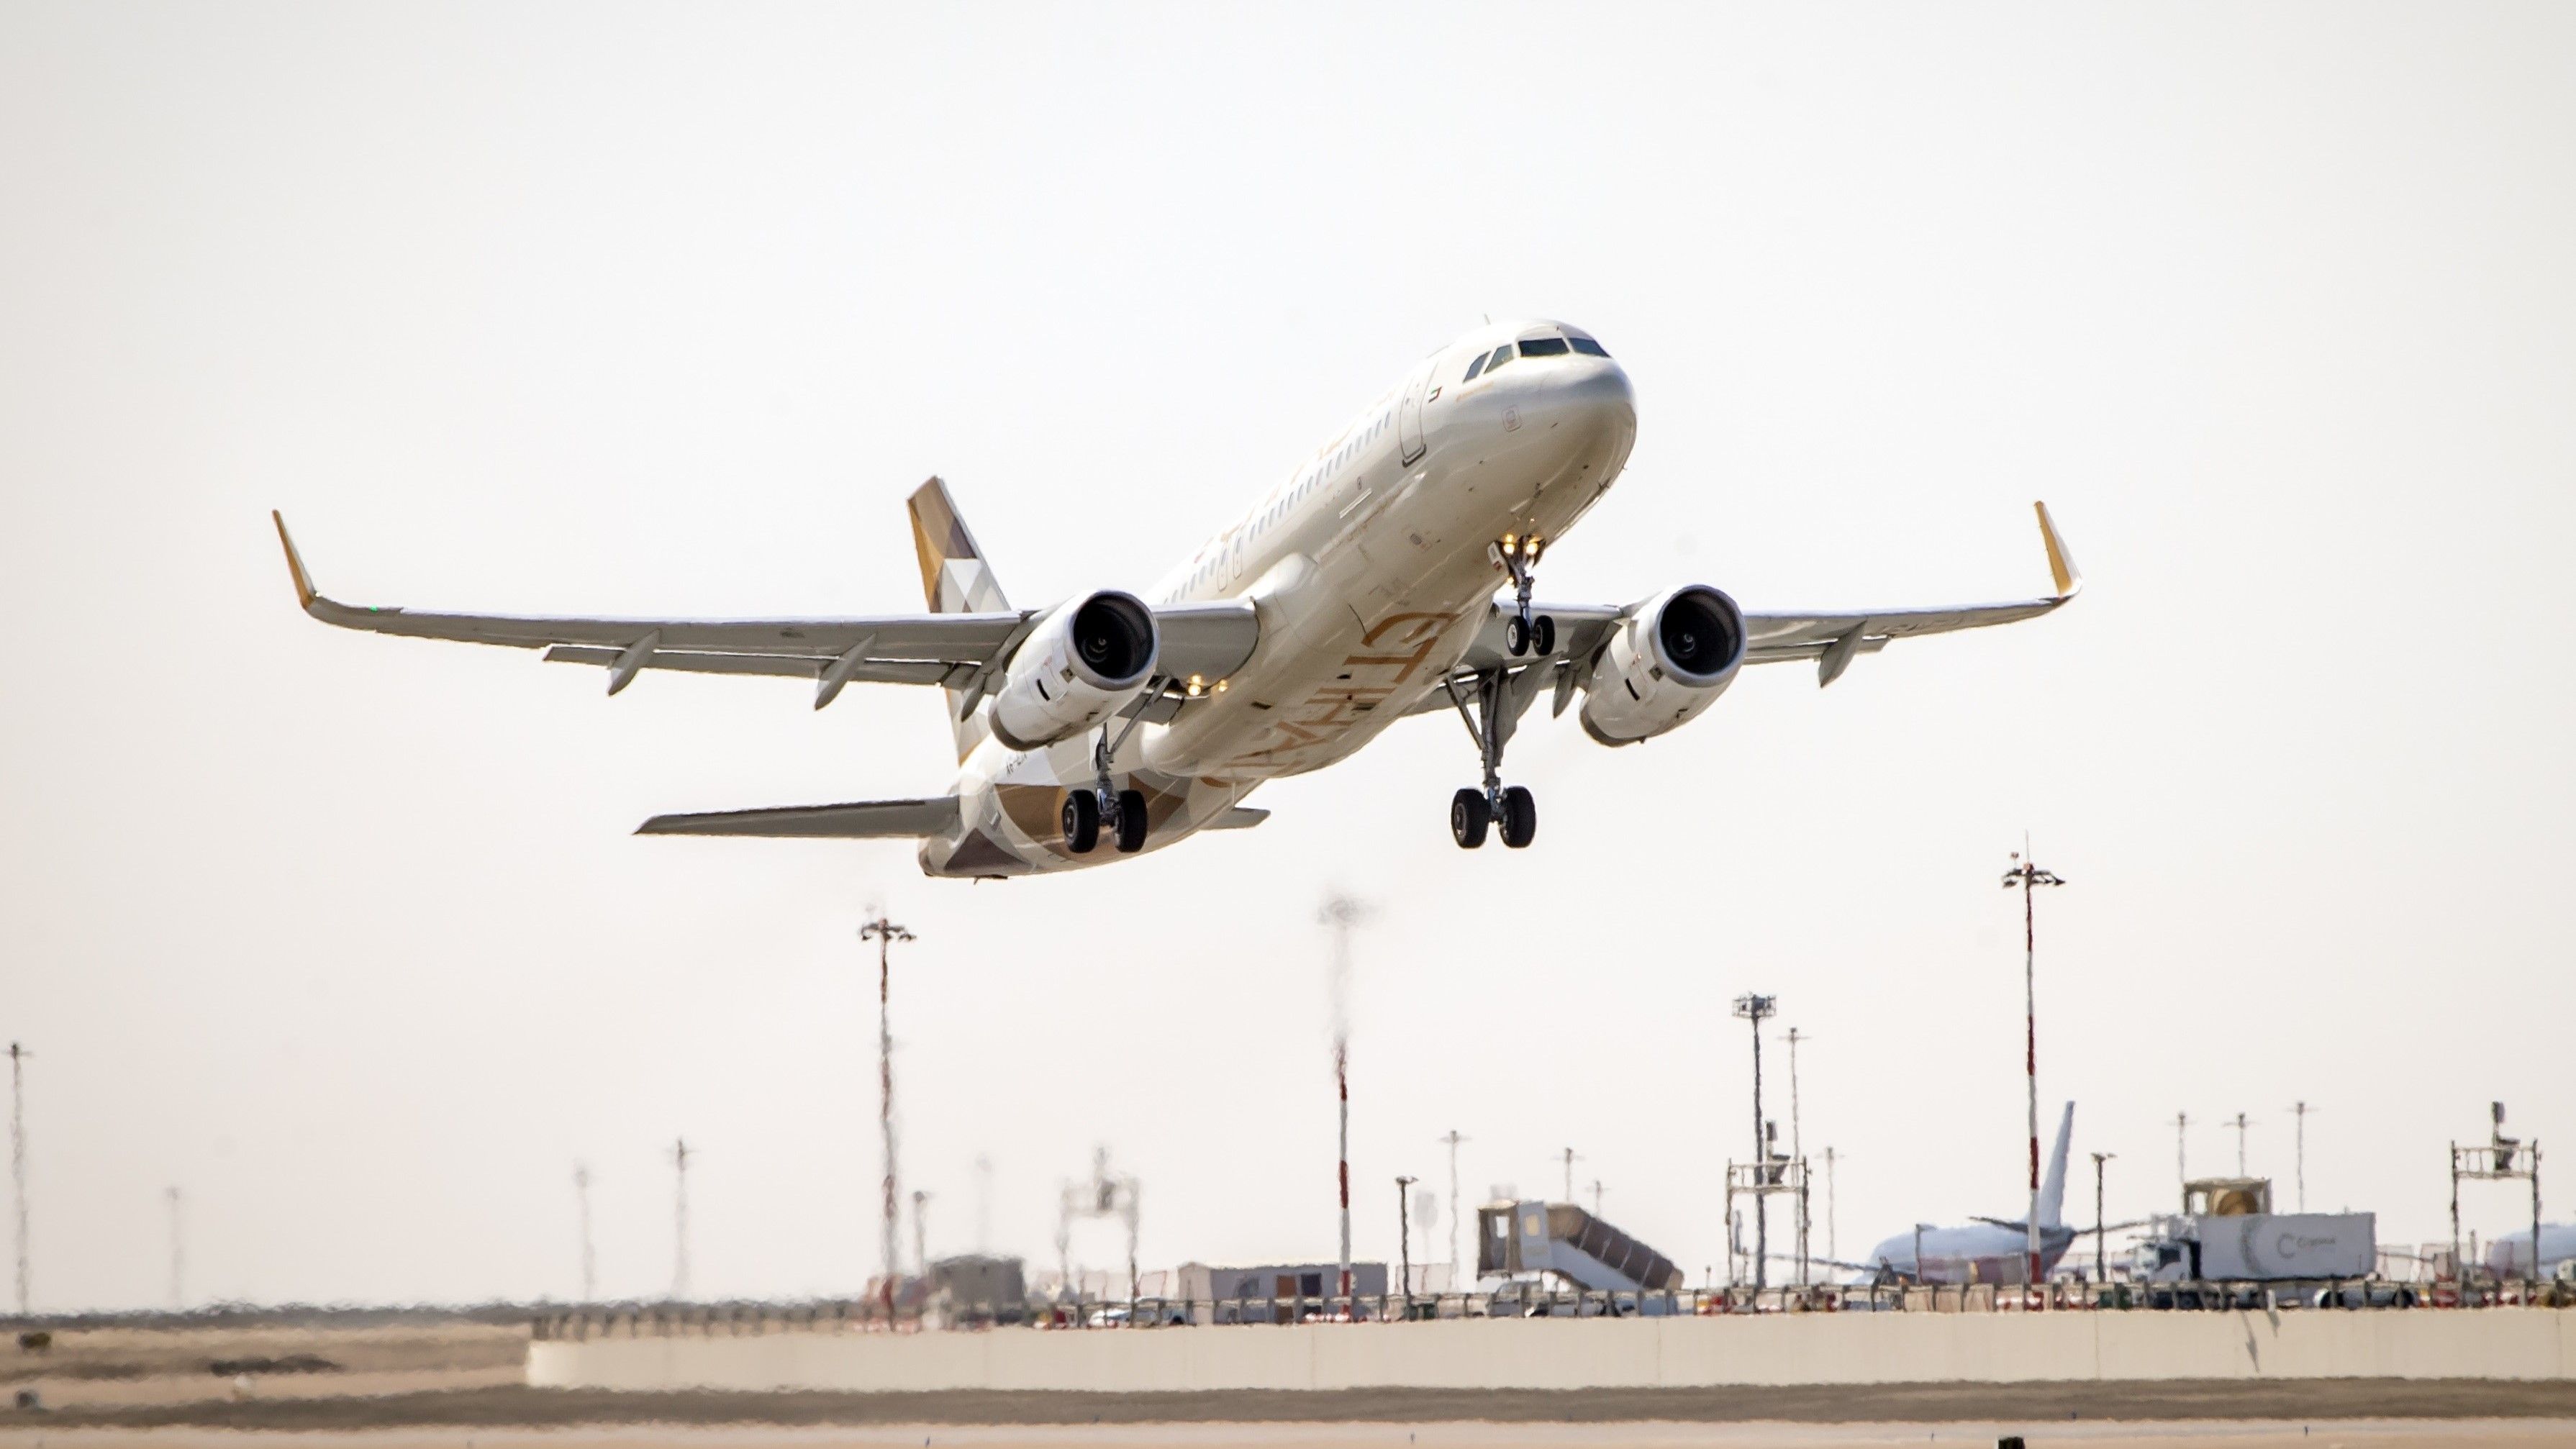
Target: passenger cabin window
(1543,347)
(1475,367)
(1588,347)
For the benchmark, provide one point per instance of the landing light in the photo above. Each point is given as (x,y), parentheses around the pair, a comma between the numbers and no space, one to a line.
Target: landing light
(1220,686)
(1196,684)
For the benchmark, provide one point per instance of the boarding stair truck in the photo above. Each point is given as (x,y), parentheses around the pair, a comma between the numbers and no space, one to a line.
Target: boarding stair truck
(1528,1242)
(2228,1233)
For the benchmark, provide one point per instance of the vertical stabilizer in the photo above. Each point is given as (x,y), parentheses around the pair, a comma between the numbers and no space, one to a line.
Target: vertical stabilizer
(955,579)
(2052,1188)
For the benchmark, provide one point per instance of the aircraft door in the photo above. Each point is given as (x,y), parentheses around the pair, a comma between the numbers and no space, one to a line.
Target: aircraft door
(1408,418)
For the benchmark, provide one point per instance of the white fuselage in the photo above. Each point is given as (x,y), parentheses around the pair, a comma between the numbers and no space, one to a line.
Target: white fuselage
(1370,572)
(1978,1253)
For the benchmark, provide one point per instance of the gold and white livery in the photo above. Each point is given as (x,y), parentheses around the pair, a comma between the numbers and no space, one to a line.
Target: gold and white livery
(1361,589)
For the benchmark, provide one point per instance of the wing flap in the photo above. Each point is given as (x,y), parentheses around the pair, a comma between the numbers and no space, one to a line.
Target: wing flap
(859,820)
(867,671)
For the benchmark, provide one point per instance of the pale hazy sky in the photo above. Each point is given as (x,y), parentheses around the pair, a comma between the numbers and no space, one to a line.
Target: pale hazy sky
(663,310)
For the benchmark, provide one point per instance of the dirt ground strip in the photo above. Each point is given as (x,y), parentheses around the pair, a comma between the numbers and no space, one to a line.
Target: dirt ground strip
(2035,1403)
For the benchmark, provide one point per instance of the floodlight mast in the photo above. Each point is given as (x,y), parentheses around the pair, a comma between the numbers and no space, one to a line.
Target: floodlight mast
(1756,1009)
(2029,875)
(885,933)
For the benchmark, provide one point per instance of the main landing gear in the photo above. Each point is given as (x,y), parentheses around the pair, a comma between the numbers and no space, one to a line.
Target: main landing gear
(1472,811)
(1523,633)
(1121,812)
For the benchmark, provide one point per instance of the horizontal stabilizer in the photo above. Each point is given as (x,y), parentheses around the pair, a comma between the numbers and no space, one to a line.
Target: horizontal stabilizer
(859,820)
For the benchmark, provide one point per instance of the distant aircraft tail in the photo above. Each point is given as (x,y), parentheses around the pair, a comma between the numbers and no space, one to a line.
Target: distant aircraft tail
(955,579)
(2052,1188)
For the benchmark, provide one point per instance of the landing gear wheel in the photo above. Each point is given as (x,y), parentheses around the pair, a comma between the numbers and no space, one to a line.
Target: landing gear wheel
(1520,817)
(1516,635)
(1131,822)
(1081,822)
(1468,817)
(1546,635)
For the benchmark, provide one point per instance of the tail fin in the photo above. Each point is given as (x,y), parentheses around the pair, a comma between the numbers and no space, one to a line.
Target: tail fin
(2052,1188)
(955,579)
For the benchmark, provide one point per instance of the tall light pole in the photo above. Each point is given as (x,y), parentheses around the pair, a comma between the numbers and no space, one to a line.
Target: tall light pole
(1570,1160)
(2182,1167)
(2299,1111)
(1453,1139)
(2101,1261)
(18,1159)
(2240,1124)
(680,1155)
(1404,1236)
(1830,1250)
(885,933)
(2029,876)
(589,1259)
(1798,1154)
(983,1204)
(1341,913)
(178,1255)
(1756,1009)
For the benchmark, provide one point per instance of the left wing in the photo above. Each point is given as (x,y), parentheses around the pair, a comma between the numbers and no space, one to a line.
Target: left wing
(955,650)
(1833,640)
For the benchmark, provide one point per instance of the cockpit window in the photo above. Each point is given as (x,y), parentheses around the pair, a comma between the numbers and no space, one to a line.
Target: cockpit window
(1502,355)
(1542,347)
(1475,367)
(1589,348)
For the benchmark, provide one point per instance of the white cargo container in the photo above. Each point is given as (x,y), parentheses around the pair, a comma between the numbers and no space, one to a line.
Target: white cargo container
(2259,1246)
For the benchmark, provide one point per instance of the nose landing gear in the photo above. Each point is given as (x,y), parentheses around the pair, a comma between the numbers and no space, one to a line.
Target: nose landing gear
(1473,811)
(1523,633)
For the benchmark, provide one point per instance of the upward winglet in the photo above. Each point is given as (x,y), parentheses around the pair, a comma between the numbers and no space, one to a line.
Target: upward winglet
(305,593)
(2061,568)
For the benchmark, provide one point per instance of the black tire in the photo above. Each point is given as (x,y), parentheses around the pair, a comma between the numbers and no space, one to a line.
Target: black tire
(1131,822)
(1520,818)
(1516,637)
(1081,821)
(1468,817)
(1546,639)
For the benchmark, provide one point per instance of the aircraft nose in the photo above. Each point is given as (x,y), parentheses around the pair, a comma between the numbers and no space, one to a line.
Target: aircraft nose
(1593,399)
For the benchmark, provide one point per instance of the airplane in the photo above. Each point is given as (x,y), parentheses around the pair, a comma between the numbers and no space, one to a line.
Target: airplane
(1359,590)
(1990,1250)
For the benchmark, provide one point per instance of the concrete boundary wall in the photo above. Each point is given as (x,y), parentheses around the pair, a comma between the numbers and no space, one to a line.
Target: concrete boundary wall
(1840,1348)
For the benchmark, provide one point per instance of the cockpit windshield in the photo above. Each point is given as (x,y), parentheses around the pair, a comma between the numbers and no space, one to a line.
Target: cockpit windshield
(1543,347)
(1588,347)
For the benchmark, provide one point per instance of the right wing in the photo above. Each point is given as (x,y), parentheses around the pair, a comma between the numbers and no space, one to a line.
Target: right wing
(957,650)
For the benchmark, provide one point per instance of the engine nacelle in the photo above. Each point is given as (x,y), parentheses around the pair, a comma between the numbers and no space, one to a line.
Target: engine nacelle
(1665,663)
(1089,659)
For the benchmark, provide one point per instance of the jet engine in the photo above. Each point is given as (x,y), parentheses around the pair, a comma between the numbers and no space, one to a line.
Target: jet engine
(1668,660)
(1086,662)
